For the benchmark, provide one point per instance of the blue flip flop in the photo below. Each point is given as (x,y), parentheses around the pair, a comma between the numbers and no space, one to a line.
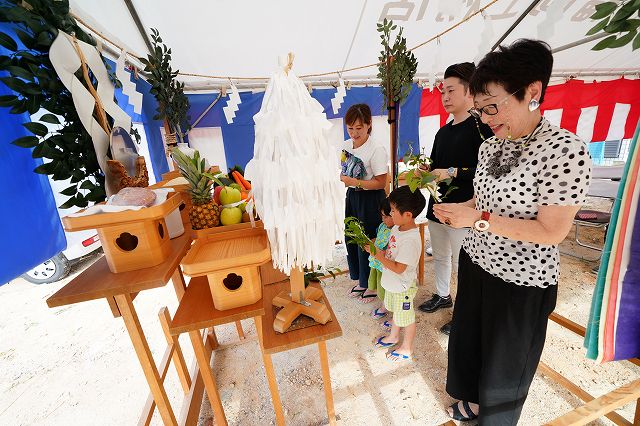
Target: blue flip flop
(386,325)
(396,357)
(380,344)
(377,314)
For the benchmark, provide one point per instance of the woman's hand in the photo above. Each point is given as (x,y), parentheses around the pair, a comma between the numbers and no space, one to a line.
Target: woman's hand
(348,180)
(441,174)
(456,215)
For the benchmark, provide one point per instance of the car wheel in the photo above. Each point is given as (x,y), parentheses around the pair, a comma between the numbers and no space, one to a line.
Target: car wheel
(49,271)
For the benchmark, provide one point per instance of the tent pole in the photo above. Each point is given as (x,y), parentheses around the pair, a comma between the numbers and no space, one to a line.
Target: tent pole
(139,26)
(579,42)
(515,24)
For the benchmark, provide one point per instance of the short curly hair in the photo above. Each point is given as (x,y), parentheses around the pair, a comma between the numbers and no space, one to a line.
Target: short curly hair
(514,67)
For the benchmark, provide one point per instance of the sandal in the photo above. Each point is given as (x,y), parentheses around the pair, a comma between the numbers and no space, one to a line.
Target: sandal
(380,344)
(357,291)
(386,325)
(457,414)
(367,298)
(397,357)
(377,314)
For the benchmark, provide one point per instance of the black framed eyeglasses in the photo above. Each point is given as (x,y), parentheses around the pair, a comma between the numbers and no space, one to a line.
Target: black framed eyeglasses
(490,109)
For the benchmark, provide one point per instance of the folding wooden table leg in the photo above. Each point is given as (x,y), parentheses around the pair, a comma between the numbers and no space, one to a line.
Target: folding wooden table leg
(178,358)
(326,378)
(240,330)
(125,305)
(207,376)
(179,285)
(271,376)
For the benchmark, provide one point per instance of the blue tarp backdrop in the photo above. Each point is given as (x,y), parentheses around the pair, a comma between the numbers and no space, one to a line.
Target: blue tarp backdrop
(239,136)
(29,223)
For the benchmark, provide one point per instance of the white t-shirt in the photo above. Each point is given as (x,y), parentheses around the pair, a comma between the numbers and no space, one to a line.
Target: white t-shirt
(404,247)
(554,169)
(373,157)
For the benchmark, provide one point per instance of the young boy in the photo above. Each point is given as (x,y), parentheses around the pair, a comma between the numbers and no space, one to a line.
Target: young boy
(400,262)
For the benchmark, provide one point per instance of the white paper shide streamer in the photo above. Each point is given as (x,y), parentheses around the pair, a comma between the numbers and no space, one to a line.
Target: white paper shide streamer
(295,175)
(128,87)
(341,92)
(66,62)
(232,105)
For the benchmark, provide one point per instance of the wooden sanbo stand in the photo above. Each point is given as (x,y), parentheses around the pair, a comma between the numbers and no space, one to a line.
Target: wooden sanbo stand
(300,301)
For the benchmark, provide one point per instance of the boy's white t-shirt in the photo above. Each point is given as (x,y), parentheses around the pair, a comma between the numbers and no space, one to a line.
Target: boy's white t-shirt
(372,154)
(404,247)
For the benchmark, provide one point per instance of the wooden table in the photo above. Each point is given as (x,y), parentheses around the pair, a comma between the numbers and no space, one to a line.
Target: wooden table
(197,312)
(273,342)
(98,282)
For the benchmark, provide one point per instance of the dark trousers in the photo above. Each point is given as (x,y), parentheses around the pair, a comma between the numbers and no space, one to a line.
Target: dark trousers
(364,205)
(496,340)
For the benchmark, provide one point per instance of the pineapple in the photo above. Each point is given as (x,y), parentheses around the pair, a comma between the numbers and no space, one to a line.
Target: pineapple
(205,213)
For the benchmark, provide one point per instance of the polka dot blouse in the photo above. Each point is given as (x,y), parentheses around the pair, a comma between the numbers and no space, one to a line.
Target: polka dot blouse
(554,169)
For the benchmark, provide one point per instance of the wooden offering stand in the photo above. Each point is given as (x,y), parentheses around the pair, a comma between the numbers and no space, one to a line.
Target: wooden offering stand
(131,239)
(231,262)
(298,302)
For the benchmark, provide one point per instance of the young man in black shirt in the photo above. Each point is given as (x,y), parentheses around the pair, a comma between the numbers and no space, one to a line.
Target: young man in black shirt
(454,155)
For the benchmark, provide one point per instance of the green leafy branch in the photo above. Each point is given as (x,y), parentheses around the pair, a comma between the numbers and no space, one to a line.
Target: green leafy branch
(615,19)
(173,104)
(397,65)
(354,231)
(419,175)
(315,276)
(67,147)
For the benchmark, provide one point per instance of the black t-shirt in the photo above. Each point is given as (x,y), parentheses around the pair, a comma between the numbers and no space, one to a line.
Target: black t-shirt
(457,146)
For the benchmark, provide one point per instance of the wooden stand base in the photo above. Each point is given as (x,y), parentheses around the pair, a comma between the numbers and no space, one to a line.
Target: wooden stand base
(291,310)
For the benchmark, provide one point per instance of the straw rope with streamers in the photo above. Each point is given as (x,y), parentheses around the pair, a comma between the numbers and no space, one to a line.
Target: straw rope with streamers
(337,72)
(102,116)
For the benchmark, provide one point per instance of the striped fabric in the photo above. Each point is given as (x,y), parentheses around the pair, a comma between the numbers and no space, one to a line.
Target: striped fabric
(614,321)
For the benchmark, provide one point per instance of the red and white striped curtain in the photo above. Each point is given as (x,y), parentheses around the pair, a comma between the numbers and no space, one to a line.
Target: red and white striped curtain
(597,111)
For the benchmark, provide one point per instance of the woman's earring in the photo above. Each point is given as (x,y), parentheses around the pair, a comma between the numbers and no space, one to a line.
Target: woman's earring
(533,105)
(509,132)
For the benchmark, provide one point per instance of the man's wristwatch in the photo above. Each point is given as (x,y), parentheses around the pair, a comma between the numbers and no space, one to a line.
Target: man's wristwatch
(482,224)
(451,171)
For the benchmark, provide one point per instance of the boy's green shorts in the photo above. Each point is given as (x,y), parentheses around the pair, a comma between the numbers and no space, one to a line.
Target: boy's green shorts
(401,304)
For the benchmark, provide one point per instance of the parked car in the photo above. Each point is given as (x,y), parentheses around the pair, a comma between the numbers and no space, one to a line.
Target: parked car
(79,244)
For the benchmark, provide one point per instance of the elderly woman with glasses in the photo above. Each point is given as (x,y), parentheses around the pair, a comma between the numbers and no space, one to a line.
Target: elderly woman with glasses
(530,181)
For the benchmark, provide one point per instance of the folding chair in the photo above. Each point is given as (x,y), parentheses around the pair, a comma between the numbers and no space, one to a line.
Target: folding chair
(604,184)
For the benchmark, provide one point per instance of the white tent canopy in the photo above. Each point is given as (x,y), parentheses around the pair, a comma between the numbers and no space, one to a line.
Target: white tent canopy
(242,39)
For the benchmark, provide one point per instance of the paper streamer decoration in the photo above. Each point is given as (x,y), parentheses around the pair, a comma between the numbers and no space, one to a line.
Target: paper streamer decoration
(341,92)
(66,62)
(295,175)
(128,87)
(232,104)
